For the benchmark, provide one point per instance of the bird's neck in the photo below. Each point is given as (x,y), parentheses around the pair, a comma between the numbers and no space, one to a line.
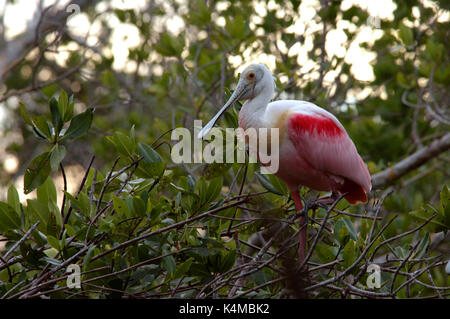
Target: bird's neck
(252,112)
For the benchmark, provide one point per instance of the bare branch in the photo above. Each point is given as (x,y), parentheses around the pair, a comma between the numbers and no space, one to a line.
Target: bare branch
(413,161)
(18,48)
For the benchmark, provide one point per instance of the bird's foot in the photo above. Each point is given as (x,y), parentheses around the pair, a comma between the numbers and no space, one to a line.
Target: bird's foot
(304,212)
(325,201)
(313,204)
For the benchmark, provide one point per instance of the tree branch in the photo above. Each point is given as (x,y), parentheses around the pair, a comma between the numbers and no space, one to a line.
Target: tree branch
(413,161)
(17,49)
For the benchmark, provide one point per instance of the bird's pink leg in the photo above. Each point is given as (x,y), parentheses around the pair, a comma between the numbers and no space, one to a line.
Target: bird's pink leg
(303,225)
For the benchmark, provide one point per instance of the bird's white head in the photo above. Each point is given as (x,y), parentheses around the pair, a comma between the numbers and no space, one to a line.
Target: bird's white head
(255,80)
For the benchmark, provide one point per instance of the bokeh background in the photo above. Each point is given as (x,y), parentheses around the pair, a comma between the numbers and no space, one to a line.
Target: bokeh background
(161,64)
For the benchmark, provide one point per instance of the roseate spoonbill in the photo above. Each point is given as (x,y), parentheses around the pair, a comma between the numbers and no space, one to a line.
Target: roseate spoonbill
(314,148)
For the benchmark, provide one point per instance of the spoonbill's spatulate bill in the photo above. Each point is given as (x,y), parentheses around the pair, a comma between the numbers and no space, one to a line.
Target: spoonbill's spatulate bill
(314,148)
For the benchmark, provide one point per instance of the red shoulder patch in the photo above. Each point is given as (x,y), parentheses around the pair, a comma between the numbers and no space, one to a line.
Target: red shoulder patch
(314,124)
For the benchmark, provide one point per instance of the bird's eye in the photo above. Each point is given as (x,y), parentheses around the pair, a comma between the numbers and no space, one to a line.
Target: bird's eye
(251,76)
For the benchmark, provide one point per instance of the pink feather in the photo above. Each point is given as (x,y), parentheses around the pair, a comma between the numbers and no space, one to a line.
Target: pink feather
(322,142)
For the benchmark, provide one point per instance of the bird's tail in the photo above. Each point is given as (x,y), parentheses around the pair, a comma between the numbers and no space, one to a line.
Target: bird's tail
(355,193)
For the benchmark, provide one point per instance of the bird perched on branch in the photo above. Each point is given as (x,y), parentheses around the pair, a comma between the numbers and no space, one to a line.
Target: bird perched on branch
(314,148)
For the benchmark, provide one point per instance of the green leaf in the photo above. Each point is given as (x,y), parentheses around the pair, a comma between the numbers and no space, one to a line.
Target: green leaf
(9,219)
(153,164)
(325,253)
(348,253)
(169,45)
(201,189)
(81,203)
(52,261)
(235,27)
(88,257)
(183,268)
(351,228)
(149,154)
(140,207)
(123,144)
(423,246)
(108,78)
(54,209)
(50,90)
(341,232)
(425,212)
(53,242)
(41,127)
(169,264)
(47,192)
(228,260)
(403,82)
(364,228)
(57,155)
(71,231)
(214,188)
(56,115)
(69,111)
(80,124)
(24,114)
(265,182)
(63,103)
(63,239)
(90,178)
(406,35)
(37,172)
(133,136)
(41,212)
(13,199)
(121,207)
(445,204)
(401,252)
(51,252)
(434,50)
(199,14)
(279,185)
(191,183)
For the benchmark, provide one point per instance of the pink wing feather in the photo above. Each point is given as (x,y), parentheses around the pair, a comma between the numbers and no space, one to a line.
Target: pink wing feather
(322,141)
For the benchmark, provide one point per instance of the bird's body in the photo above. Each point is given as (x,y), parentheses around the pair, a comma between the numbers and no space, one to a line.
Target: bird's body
(314,148)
